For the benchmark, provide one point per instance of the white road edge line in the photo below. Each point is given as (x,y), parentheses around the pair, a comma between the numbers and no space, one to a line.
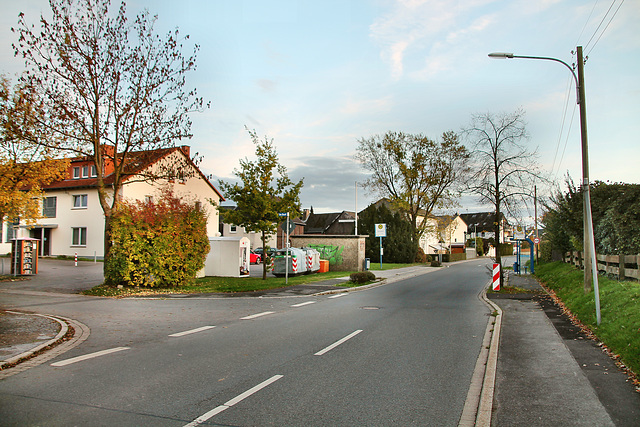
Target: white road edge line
(88,356)
(253,316)
(303,304)
(337,343)
(192,331)
(215,411)
(338,295)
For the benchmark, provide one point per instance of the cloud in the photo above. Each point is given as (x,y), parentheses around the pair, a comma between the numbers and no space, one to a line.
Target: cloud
(415,29)
(267,85)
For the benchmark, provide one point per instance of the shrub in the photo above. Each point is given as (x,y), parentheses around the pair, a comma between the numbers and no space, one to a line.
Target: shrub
(420,256)
(161,244)
(362,277)
(435,263)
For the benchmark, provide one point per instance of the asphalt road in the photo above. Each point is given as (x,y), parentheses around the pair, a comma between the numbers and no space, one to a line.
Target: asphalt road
(398,354)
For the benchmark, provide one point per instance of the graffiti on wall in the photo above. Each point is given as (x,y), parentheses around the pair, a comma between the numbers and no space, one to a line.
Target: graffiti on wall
(331,253)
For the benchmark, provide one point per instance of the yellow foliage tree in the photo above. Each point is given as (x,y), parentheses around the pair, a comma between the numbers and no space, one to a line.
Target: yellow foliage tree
(25,165)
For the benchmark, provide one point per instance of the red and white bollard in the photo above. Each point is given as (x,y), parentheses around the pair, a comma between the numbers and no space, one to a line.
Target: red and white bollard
(496,277)
(76,259)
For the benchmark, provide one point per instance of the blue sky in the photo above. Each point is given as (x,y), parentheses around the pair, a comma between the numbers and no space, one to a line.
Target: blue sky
(318,75)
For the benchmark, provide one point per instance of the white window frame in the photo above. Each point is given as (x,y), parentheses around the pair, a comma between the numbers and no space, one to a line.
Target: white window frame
(79,237)
(93,171)
(82,198)
(85,171)
(76,172)
(233,228)
(54,208)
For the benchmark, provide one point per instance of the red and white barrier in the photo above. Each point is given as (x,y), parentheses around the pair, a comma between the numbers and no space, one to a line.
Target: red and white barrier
(496,277)
(294,264)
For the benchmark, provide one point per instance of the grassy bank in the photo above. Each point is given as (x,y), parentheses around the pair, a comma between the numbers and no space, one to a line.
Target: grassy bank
(619,329)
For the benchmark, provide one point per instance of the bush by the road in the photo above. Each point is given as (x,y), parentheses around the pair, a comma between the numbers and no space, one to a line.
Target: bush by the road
(161,244)
(362,277)
(619,329)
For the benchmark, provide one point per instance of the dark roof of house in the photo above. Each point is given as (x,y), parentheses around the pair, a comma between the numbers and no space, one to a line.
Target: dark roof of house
(320,223)
(482,220)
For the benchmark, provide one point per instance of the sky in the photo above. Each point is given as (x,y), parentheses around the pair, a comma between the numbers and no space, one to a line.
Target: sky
(317,76)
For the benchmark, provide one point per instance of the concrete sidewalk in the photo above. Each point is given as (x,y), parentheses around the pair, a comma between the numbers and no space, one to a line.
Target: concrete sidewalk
(543,379)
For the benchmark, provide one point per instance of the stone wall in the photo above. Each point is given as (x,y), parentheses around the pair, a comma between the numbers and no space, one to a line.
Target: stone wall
(344,253)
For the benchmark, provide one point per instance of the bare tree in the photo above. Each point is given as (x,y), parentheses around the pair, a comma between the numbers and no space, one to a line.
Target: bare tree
(503,167)
(416,174)
(110,89)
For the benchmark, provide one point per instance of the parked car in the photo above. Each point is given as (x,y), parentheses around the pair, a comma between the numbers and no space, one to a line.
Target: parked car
(255,258)
(271,252)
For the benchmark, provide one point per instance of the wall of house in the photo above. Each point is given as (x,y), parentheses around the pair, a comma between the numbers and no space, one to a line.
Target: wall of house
(344,253)
(255,239)
(91,216)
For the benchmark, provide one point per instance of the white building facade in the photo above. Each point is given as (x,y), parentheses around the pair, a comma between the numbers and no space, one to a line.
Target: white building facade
(73,220)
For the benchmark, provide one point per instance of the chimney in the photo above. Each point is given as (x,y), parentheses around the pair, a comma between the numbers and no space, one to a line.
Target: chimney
(305,214)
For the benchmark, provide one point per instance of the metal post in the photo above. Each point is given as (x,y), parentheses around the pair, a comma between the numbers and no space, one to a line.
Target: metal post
(381,253)
(286,260)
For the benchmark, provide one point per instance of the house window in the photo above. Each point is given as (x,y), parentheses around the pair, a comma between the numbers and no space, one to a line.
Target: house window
(10,232)
(148,199)
(233,228)
(85,171)
(79,236)
(80,201)
(49,207)
(93,171)
(76,172)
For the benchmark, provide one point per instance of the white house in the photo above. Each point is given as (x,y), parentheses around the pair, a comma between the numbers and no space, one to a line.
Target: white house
(73,219)
(442,233)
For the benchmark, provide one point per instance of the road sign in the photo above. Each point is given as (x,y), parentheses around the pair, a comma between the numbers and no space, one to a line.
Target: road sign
(536,240)
(282,213)
(381,230)
(288,226)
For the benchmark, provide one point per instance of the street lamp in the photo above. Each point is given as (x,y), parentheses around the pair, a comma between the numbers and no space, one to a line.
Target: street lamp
(590,264)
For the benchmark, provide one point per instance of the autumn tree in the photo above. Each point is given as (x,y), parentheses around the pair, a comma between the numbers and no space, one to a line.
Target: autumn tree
(415,173)
(25,164)
(110,88)
(504,168)
(264,190)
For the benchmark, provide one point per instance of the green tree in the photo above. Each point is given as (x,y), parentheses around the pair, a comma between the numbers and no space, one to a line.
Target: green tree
(110,88)
(25,165)
(399,245)
(416,174)
(263,192)
(504,168)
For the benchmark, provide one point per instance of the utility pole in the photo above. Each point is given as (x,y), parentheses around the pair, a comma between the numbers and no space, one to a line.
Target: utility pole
(535,220)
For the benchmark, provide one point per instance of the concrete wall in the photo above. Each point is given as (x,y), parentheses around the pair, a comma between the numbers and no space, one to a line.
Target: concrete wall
(344,253)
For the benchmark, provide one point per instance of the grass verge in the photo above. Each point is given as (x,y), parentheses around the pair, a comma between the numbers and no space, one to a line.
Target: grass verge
(216,285)
(619,329)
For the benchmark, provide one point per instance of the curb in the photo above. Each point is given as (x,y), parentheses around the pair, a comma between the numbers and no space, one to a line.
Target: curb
(478,405)
(64,328)
(29,359)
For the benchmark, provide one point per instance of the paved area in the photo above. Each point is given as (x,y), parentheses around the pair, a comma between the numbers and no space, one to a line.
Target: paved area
(546,373)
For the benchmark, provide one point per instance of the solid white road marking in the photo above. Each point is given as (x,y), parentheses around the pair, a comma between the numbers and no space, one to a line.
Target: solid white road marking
(303,304)
(192,331)
(338,295)
(215,411)
(253,316)
(337,343)
(88,356)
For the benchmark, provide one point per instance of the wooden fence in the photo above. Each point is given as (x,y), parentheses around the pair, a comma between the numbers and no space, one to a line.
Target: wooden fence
(610,264)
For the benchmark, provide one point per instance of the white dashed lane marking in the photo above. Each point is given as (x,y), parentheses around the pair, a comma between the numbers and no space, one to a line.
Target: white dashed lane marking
(88,356)
(192,331)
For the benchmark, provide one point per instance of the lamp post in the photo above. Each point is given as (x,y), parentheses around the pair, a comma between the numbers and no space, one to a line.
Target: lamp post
(590,265)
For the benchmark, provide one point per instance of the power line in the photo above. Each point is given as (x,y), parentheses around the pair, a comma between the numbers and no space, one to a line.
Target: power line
(605,28)
(564,117)
(600,24)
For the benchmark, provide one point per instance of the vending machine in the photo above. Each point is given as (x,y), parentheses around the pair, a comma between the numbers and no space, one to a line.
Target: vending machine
(25,256)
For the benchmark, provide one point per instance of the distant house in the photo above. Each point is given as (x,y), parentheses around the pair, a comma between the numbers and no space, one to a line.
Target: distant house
(73,218)
(446,233)
(339,223)
(481,224)
(255,238)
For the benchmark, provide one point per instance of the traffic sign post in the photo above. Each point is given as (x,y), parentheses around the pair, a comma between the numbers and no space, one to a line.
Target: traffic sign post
(381,231)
